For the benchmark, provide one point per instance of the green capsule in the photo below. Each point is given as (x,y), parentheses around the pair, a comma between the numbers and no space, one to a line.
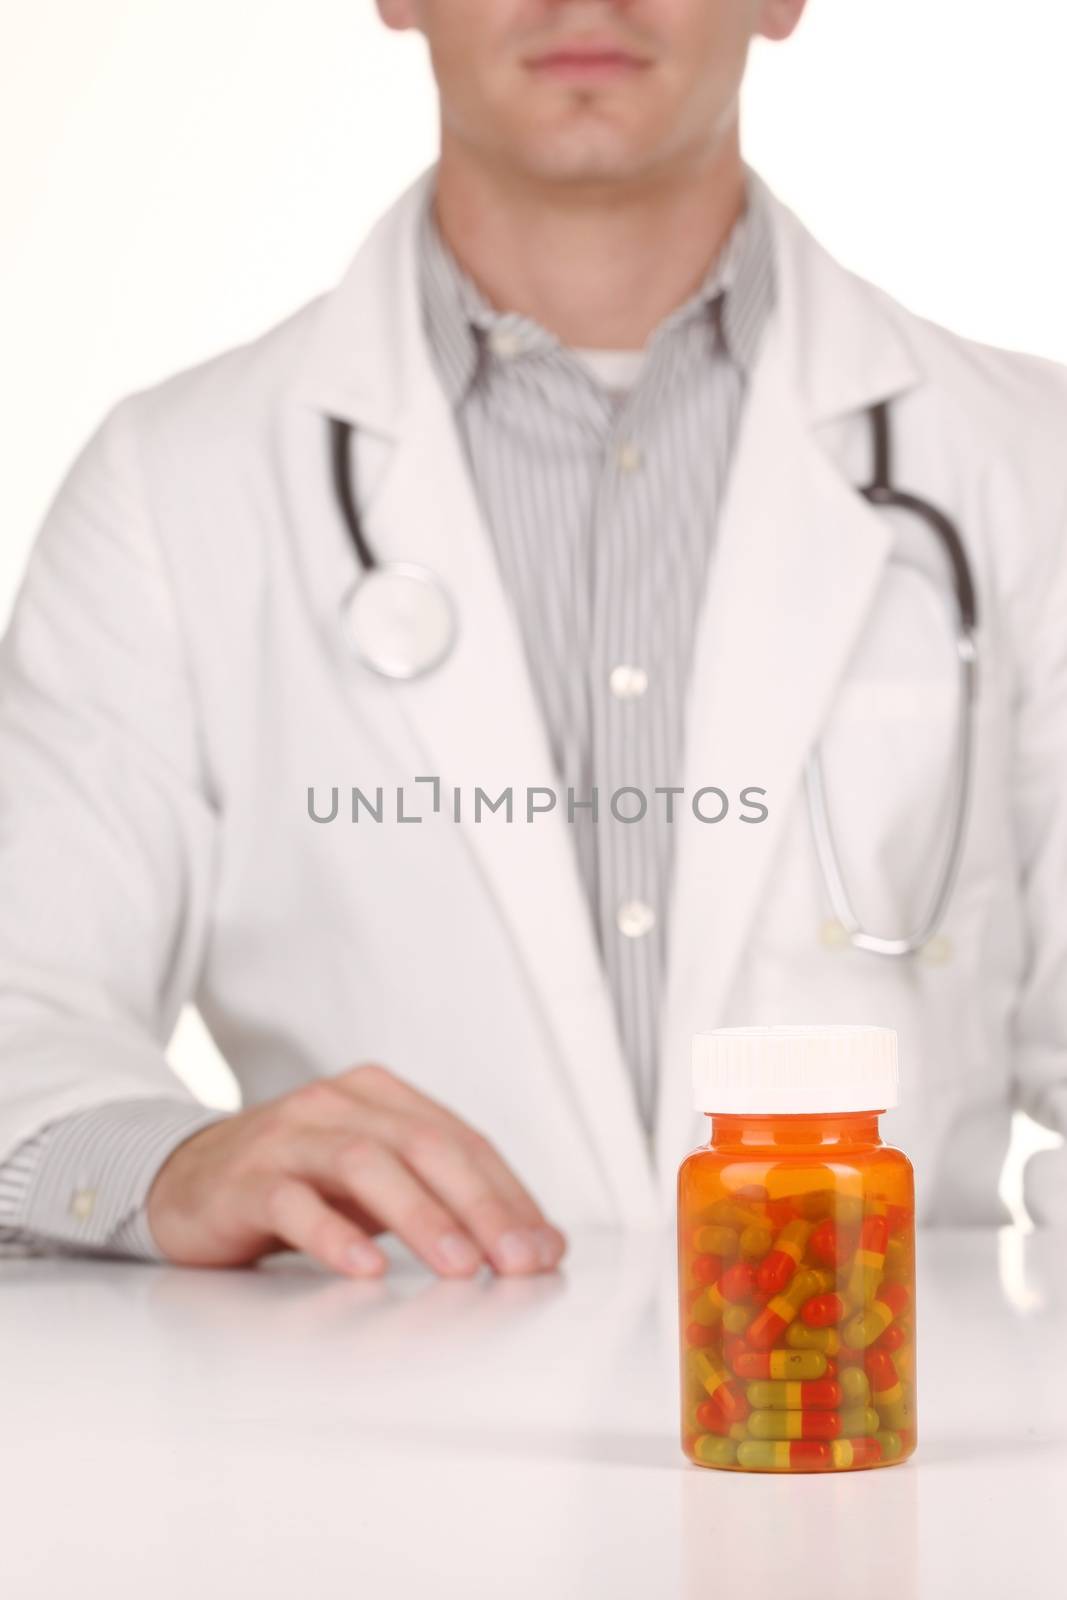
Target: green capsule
(855,1385)
(715,1451)
(857,1421)
(735,1319)
(755,1241)
(890,1442)
(798,1336)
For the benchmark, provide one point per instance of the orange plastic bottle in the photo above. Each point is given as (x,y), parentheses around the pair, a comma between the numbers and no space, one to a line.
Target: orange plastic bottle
(796,1255)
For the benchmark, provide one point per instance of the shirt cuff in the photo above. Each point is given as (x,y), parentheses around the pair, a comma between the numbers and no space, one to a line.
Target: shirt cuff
(82,1183)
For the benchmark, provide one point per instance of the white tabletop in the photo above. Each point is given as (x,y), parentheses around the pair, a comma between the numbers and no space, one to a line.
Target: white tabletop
(280,1434)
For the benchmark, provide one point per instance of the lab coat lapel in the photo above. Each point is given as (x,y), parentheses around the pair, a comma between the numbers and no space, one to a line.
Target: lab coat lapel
(476,719)
(797,564)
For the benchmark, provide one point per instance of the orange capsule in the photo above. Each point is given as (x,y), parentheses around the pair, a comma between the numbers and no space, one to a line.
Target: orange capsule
(768,1325)
(712,1419)
(862,1452)
(823,1310)
(738,1282)
(782,1424)
(706,1268)
(778,1266)
(891,1339)
(697,1337)
(829,1245)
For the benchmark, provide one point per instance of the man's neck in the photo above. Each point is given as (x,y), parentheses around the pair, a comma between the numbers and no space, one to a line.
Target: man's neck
(600,267)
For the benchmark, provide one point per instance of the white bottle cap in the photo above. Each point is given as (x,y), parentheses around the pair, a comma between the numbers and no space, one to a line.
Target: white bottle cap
(793,1070)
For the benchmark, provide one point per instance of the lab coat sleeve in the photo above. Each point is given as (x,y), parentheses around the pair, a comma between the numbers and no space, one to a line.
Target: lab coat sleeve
(1040,777)
(107,838)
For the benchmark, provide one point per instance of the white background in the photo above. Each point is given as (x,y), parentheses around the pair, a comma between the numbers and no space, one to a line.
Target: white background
(176,175)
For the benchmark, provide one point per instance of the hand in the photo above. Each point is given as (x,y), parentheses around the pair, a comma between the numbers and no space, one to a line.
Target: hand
(338,1160)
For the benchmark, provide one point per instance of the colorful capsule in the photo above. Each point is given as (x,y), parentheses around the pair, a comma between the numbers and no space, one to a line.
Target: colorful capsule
(735,1319)
(831,1366)
(718,1385)
(857,1420)
(708,1308)
(794,1424)
(855,1386)
(828,1245)
(792,1365)
(755,1241)
(714,1451)
(798,1337)
(716,1241)
(777,1268)
(738,1282)
(890,1443)
(709,1417)
(766,1455)
(734,1214)
(823,1310)
(706,1268)
(855,1452)
(869,1259)
(891,1339)
(866,1326)
(768,1326)
(698,1337)
(819,1394)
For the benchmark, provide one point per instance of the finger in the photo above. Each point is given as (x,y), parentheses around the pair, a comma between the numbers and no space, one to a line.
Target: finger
(377,1086)
(507,1225)
(293,1212)
(462,1171)
(384,1187)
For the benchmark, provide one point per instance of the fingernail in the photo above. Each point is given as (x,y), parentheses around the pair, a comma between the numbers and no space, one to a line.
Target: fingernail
(364,1258)
(517,1252)
(547,1246)
(456,1253)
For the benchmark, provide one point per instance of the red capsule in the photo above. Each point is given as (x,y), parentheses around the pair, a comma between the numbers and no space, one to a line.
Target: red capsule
(697,1337)
(863,1452)
(899,1218)
(712,1418)
(881,1371)
(823,1310)
(829,1246)
(706,1269)
(831,1367)
(732,1348)
(891,1339)
(738,1282)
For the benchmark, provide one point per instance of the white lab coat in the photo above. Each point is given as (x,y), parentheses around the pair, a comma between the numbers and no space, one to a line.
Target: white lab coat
(176,677)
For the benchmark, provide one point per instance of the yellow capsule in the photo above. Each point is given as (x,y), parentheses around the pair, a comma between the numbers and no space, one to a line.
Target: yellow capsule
(738,1431)
(857,1421)
(895,1411)
(708,1370)
(736,1215)
(855,1385)
(890,1442)
(715,1451)
(755,1241)
(716,1241)
(708,1307)
(735,1319)
(800,1337)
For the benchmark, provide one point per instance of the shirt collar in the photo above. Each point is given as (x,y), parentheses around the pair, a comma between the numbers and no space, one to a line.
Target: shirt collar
(462,326)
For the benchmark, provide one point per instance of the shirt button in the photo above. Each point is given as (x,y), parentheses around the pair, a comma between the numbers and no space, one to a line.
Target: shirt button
(629,458)
(505,344)
(82,1202)
(635,918)
(628,683)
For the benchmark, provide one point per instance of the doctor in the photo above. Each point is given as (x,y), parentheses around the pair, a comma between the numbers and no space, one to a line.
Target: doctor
(605,391)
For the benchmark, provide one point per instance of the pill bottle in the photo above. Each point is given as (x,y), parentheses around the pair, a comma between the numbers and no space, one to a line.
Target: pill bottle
(796,1255)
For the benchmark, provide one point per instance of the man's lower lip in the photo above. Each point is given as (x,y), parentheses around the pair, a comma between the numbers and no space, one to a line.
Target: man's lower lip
(586,68)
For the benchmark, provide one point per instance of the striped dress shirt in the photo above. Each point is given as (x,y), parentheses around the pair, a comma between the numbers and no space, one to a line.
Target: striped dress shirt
(601,501)
(602,509)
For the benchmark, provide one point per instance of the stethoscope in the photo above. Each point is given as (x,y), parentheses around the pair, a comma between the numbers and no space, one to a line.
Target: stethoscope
(402,623)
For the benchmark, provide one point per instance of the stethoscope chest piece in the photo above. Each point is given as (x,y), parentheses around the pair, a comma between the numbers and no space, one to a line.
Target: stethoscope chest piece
(400,621)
